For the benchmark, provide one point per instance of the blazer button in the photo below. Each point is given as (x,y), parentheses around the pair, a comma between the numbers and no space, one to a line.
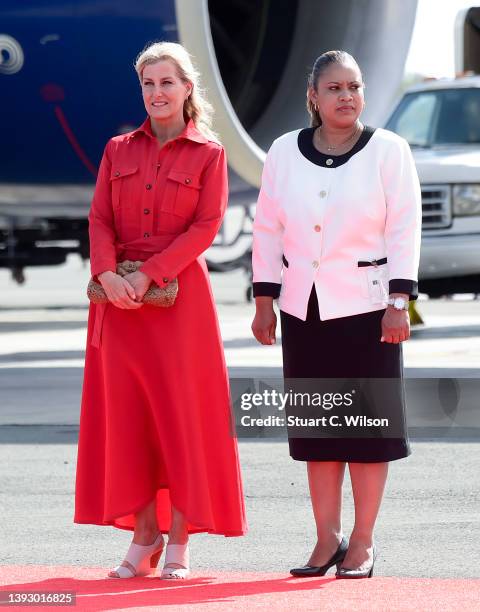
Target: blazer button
(148,186)
(117,173)
(146,235)
(146,211)
(188,181)
(165,280)
(329,161)
(317,228)
(322,194)
(315,263)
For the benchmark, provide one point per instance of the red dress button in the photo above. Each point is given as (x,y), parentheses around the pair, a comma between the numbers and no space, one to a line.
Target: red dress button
(148,186)
(146,235)
(146,211)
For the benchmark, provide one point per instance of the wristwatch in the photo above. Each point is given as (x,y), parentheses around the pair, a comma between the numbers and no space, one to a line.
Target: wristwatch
(398,303)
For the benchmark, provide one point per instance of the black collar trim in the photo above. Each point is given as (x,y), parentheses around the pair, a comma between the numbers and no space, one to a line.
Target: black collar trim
(308,150)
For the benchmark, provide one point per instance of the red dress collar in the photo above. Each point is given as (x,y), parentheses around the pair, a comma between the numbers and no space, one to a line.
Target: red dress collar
(190,131)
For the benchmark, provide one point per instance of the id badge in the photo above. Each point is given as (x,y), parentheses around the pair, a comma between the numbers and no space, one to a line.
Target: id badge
(377,285)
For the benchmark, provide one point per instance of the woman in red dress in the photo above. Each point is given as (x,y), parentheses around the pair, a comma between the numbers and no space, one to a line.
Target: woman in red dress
(156,452)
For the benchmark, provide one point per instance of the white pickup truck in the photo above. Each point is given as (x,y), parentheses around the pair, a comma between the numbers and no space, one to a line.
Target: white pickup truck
(440,119)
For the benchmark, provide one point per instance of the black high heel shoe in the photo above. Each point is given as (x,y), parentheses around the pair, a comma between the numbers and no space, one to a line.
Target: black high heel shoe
(313,570)
(346,572)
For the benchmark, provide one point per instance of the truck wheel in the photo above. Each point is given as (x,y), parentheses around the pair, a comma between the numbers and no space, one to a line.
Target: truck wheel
(18,275)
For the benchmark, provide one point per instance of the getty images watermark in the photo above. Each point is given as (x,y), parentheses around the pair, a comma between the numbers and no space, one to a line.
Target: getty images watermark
(271,398)
(355,408)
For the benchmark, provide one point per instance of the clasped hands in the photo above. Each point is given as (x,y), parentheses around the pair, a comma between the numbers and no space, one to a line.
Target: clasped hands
(125,291)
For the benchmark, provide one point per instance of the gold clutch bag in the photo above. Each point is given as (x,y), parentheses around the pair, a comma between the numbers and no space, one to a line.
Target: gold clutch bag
(155,295)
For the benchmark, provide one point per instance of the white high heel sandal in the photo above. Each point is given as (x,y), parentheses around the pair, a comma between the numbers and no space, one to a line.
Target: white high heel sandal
(179,554)
(142,560)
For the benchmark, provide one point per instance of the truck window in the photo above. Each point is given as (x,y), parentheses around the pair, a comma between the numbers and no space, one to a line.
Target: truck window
(440,117)
(414,120)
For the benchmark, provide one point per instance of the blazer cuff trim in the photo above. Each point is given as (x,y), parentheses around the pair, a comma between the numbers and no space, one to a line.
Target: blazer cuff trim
(404,285)
(266,289)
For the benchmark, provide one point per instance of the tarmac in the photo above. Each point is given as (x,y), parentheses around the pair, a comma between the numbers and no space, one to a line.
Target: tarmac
(428,526)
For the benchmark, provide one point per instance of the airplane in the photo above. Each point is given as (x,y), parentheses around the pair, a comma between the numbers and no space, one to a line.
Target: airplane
(67,85)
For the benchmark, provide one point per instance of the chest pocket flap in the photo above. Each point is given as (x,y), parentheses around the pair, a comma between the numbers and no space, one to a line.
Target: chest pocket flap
(123,180)
(185,178)
(119,172)
(182,192)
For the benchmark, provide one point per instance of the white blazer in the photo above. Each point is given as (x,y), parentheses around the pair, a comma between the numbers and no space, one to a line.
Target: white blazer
(324,219)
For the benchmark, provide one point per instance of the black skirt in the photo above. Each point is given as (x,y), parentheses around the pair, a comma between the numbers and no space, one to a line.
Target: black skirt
(345,347)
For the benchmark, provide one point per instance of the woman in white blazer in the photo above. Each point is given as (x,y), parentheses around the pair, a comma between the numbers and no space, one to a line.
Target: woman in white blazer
(336,239)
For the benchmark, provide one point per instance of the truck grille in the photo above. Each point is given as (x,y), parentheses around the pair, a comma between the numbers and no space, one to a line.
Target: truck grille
(436,209)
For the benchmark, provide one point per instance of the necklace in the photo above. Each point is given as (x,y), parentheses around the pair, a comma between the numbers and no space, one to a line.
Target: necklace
(355,132)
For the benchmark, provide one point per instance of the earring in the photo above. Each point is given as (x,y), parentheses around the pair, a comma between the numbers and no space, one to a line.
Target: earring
(315,107)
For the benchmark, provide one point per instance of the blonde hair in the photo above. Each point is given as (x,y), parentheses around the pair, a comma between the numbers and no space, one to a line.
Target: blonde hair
(196,106)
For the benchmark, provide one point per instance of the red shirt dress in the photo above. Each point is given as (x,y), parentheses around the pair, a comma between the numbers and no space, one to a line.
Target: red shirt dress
(155,416)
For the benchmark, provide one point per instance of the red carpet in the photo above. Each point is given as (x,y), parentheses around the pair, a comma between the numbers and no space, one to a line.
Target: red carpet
(228,591)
